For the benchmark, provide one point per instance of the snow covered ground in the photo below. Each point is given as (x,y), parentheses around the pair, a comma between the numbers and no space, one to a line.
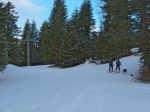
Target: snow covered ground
(85,88)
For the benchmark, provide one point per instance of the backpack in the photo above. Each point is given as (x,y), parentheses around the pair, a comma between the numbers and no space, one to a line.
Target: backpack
(118,63)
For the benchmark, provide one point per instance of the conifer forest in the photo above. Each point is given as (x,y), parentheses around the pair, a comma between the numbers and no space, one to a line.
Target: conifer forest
(69,41)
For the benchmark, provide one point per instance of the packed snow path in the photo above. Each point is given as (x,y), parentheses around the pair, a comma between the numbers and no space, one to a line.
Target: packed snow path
(85,88)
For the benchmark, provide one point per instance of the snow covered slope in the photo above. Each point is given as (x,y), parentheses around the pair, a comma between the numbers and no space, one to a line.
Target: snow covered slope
(85,88)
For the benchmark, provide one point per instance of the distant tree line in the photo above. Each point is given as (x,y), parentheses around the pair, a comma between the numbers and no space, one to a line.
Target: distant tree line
(67,42)
(31,32)
(62,41)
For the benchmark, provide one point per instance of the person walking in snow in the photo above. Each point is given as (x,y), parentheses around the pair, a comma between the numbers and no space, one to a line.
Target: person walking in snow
(118,64)
(111,65)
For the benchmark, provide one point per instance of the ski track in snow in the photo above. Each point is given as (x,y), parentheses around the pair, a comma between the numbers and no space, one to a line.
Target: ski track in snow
(85,88)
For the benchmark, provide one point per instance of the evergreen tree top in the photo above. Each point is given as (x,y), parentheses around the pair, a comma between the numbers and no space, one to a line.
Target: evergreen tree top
(59,12)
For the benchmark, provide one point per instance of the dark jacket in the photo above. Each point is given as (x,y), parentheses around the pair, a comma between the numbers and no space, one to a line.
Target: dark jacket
(111,63)
(118,63)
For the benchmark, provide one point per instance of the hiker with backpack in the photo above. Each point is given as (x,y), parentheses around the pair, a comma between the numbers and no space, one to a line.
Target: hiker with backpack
(118,64)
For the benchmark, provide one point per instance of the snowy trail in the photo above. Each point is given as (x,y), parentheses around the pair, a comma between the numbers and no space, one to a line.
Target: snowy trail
(85,88)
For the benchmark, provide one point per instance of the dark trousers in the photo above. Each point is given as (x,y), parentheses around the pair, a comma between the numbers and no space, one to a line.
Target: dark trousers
(110,68)
(117,68)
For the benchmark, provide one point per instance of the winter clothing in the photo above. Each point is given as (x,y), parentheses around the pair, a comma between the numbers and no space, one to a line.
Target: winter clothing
(111,66)
(118,64)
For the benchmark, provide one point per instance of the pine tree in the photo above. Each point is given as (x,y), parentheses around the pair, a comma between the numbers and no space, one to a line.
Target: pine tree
(116,31)
(16,52)
(72,42)
(144,10)
(140,10)
(86,24)
(30,32)
(25,35)
(57,20)
(44,43)
(9,30)
(34,44)
(134,14)
(3,60)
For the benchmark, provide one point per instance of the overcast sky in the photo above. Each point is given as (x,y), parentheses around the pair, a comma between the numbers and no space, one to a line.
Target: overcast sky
(39,10)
